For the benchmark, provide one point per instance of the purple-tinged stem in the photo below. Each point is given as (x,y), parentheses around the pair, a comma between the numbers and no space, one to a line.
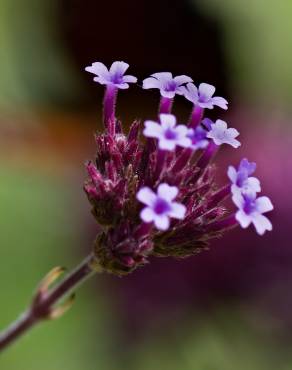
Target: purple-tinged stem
(43,306)
(222,225)
(182,160)
(109,106)
(205,159)
(165,105)
(215,199)
(196,116)
(207,155)
(219,196)
(161,155)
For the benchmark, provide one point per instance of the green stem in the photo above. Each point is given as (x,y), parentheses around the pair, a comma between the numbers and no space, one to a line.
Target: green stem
(42,306)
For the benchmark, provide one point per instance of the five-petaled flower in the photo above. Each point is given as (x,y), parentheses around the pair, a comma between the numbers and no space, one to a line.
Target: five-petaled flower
(251,209)
(114,76)
(169,134)
(203,96)
(241,180)
(223,135)
(198,137)
(161,206)
(166,83)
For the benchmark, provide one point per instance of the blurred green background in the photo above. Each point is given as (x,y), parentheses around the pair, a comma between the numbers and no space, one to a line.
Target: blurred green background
(229,308)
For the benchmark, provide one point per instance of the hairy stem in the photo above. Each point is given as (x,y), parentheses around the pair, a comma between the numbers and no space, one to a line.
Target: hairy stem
(43,305)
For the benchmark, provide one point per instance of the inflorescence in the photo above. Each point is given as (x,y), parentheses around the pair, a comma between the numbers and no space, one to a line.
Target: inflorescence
(155,194)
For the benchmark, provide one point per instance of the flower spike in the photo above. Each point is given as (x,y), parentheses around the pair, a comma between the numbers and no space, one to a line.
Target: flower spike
(183,206)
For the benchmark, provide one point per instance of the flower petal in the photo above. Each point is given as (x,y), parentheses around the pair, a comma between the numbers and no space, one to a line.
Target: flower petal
(232,174)
(98,69)
(180,90)
(118,68)
(152,129)
(130,79)
(166,144)
(161,222)
(220,124)
(238,200)
(263,205)
(249,167)
(146,195)
(243,219)
(220,102)
(167,192)
(206,90)
(167,94)
(101,80)
(178,211)
(151,83)
(207,122)
(191,92)
(184,142)
(232,132)
(122,86)
(163,76)
(233,142)
(182,79)
(253,184)
(147,214)
(167,120)
(262,224)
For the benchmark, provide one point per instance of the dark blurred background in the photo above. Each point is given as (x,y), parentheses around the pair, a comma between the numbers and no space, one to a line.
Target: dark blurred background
(227,308)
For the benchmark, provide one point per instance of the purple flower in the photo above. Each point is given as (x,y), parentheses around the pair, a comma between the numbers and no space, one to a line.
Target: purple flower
(160,206)
(168,134)
(198,137)
(251,209)
(241,182)
(203,96)
(168,85)
(114,76)
(223,135)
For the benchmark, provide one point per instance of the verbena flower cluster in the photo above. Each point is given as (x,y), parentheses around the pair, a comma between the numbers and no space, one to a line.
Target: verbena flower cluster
(152,190)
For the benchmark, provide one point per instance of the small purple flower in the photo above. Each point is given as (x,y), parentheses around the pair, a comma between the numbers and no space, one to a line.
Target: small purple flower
(114,76)
(251,209)
(223,135)
(203,96)
(160,206)
(241,182)
(198,137)
(168,85)
(168,134)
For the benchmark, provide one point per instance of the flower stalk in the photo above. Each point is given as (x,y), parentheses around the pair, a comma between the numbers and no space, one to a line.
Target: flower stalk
(43,305)
(109,104)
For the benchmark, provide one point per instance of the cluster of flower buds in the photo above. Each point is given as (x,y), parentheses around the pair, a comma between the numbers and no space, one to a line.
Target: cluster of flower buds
(155,194)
